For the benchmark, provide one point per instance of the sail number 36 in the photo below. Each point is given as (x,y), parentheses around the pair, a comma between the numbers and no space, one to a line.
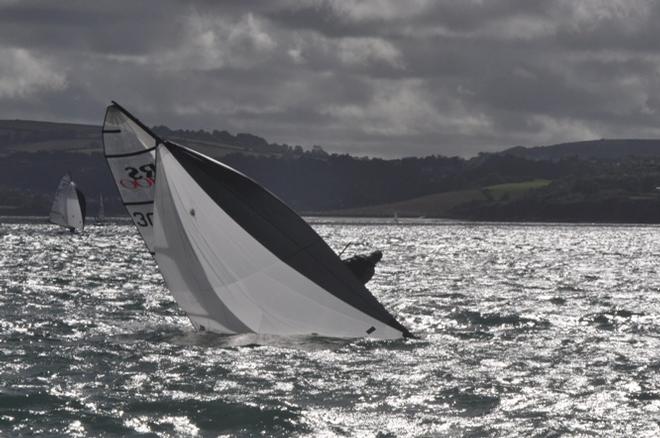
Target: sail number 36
(142,219)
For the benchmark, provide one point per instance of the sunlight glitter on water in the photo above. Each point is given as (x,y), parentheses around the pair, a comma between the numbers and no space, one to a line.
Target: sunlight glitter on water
(523,330)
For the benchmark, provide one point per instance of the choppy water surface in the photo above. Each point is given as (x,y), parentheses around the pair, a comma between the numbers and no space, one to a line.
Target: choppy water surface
(536,330)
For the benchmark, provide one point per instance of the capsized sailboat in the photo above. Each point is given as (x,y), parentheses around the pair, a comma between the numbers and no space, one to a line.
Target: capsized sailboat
(68,208)
(235,257)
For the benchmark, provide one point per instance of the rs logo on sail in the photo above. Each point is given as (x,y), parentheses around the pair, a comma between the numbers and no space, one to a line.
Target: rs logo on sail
(134,184)
(142,177)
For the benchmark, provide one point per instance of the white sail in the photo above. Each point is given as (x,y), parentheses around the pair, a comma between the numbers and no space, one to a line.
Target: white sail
(130,149)
(68,208)
(228,279)
(235,257)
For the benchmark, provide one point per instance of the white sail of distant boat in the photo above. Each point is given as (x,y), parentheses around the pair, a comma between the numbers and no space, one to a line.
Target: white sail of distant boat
(100,217)
(68,208)
(235,257)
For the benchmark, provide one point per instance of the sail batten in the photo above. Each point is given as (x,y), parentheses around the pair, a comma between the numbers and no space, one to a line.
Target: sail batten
(130,154)
(139,203)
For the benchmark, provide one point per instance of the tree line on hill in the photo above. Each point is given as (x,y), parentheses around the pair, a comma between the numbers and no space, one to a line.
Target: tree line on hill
(584,186)
(580,189)
(248,143)
(626,190)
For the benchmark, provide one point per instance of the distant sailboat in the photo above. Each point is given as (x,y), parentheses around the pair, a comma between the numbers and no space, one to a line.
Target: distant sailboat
(235,257)
(68,208)
(100,217)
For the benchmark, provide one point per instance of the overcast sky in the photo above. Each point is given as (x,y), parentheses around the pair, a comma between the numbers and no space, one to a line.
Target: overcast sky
(384,78)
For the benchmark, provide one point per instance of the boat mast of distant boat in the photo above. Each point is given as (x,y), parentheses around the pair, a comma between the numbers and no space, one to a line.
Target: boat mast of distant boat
(101,215)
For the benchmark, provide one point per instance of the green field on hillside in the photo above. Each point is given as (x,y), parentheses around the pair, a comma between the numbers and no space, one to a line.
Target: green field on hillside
(501,192)
(441,204)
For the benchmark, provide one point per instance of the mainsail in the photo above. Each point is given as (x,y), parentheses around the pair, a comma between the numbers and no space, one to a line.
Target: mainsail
(238,260)
(130,149)
(69,206)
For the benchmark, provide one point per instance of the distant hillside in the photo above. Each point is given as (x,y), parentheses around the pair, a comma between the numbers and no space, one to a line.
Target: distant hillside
(31,137)
(593,149)
(608,180)
(34,156)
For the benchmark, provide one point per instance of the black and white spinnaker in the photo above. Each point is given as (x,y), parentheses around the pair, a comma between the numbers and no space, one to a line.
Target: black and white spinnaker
(68,208)
(235,257)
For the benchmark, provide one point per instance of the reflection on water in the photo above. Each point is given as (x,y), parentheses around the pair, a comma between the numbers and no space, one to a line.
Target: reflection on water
(536,330)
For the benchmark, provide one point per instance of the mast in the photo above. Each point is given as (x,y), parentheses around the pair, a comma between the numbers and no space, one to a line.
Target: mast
(101,214)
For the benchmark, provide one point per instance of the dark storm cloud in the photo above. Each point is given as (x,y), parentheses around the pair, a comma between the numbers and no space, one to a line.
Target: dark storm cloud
(381,77)
(102,27)
(325,18)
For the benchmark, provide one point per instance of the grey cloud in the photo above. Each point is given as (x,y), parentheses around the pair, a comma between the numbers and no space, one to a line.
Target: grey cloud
(386,78)
(100,27)
(323,17)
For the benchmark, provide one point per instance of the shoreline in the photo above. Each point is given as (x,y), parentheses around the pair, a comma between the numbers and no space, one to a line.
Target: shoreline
(327,219)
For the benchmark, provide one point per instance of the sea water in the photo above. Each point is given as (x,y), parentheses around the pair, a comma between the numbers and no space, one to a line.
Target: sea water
(522,330)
